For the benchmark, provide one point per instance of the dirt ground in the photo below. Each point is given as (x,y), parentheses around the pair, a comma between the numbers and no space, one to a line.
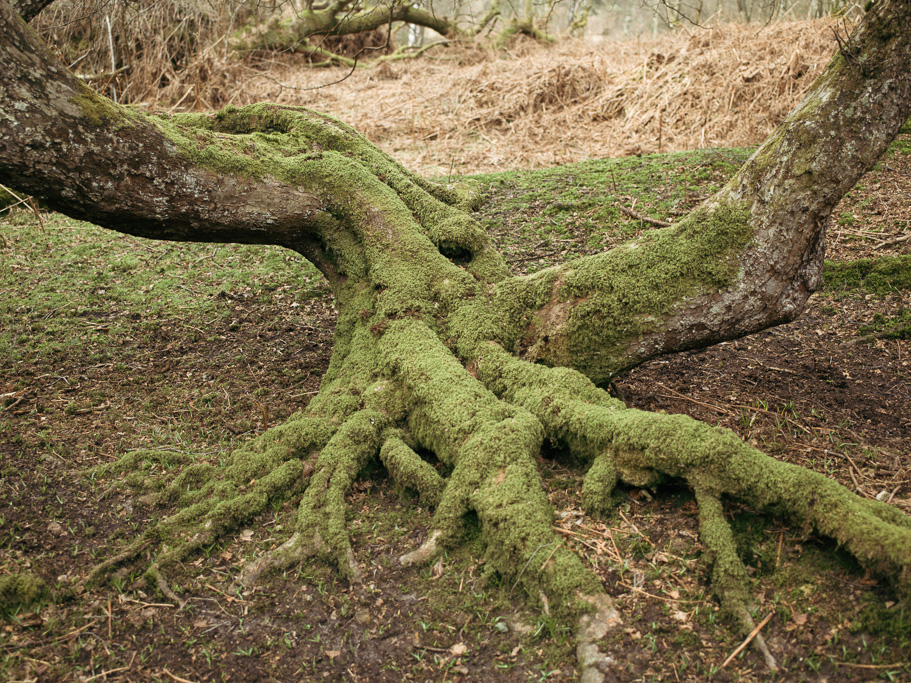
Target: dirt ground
(110,343)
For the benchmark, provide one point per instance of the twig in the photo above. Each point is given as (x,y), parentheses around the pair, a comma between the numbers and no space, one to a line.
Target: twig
(644,219)
(106,673)
(889,243)
(37,212)
(229,598)
(753,634)
(180,101)
(896,665)
(521,259)
(636,589)
(849,56)
(176,678)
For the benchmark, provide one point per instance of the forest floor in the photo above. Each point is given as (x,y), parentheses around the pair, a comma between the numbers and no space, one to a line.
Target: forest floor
(110,343)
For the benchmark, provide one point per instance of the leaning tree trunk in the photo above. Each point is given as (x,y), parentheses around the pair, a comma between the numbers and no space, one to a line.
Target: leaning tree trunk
(438,347)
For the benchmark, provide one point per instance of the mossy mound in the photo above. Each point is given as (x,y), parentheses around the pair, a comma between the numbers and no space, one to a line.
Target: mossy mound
(877,276)
(20,590)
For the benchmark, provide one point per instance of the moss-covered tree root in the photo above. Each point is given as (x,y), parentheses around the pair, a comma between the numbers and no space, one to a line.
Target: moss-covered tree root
(643,449)
(439,350)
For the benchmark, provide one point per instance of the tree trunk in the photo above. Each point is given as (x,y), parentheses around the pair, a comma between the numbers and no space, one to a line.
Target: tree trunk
(344,18)
(438,347)
(337,19)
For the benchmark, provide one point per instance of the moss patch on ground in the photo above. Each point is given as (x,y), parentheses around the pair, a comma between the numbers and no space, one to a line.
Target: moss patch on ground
(876,276)
(896,326)
(18,591)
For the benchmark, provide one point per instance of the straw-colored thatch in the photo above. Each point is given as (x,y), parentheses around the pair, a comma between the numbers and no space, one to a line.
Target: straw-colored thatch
(465,108)
(468,110)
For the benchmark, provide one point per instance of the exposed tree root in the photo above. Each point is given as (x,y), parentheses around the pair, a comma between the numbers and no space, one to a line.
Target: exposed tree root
(153,575)
(432,329)
(729,577)
(408,469)
(426,552)
(643,448)
(321,516)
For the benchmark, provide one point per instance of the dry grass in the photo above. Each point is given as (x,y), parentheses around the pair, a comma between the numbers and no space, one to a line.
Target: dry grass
(466,109)
(162,53)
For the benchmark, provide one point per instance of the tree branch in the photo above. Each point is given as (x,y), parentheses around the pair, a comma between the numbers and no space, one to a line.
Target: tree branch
(748,258)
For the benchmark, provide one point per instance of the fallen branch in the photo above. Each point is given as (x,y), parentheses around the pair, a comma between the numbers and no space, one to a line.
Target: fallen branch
(889,243)
(644,219)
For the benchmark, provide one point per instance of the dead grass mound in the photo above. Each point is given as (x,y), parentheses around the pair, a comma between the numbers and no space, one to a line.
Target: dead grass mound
(536,106)
(162,53)
(461,108)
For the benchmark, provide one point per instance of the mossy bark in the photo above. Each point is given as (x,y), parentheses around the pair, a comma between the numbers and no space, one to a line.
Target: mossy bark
(303,31)
(438,348)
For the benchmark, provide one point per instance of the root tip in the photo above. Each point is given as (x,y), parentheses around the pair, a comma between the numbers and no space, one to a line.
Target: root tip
(427,551)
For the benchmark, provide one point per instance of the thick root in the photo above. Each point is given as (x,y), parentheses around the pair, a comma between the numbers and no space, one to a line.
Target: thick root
(407,469)
(730,580)
(599,484)
(321,516)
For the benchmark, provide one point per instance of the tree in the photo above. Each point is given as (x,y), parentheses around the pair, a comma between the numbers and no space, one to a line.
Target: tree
(306,31)
(439,348)
(347,17)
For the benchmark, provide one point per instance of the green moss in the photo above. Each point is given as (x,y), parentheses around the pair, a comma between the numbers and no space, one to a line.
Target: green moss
(99,110)
(877,276)
(598,485)
(409,470)
(877,619)
(538,206)
(19,591)
(589,309)
(897,326)
(142,461)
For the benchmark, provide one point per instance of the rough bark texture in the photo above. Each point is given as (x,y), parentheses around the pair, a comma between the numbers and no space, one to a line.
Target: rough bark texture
(438,348)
